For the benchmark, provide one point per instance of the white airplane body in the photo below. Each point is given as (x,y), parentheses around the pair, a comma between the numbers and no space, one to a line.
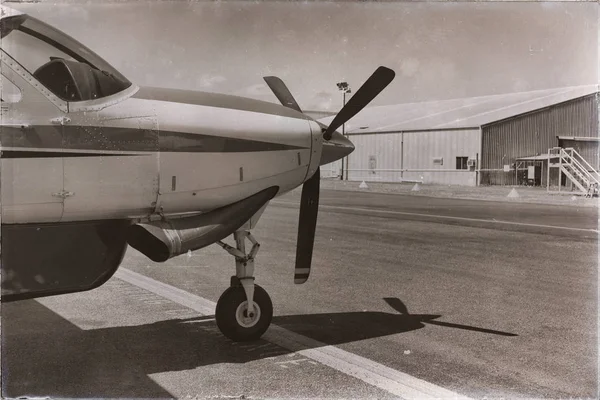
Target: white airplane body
(92,163)
(142,157)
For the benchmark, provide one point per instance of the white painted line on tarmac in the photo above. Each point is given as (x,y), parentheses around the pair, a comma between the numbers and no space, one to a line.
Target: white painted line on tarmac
(492,221)
(368,371)
(179,296)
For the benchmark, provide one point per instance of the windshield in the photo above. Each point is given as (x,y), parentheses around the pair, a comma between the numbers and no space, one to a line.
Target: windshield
(65,66)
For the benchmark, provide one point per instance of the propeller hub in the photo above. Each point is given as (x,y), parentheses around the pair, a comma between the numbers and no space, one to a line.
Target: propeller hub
(336,148)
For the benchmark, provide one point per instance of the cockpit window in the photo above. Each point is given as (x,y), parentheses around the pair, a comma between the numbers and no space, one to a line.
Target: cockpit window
(9,92)
(66,67)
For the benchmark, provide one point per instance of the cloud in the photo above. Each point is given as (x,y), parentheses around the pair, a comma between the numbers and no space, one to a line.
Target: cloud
(438,70)
(259,89)
(409,67)
(207,80)
(321,101)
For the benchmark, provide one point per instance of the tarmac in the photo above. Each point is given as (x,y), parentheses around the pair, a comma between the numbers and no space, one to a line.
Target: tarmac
(524,194)
(410,296)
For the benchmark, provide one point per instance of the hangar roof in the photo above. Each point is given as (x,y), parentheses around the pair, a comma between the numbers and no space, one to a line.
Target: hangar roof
(459,113)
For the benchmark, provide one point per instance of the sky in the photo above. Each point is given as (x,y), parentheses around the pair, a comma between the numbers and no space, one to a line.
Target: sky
(438,50)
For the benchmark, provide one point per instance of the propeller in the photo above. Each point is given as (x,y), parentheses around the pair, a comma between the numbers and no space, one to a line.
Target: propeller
(282,93)
(309,202)
(307,225)
(367,92)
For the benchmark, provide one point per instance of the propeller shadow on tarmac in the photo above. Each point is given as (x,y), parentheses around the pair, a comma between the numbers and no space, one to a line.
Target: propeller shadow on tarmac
(399,306)
(339,328)
(116,361)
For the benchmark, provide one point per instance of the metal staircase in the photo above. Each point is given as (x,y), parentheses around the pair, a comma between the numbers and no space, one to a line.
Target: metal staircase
(576,169)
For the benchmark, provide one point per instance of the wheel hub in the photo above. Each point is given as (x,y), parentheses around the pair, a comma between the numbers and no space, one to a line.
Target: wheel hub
(245,319)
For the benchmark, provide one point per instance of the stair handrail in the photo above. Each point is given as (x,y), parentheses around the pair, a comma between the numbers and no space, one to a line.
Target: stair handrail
(575,153)
(574,180)
(587,165)
(579,165)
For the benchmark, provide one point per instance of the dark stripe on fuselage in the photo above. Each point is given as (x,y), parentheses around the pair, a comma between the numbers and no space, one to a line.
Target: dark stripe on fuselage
(128,139)
(57,154)
(216,100)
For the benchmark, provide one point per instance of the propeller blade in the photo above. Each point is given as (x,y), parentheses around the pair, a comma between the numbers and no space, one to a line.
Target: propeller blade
(307,224)
(281,91)
(367,92)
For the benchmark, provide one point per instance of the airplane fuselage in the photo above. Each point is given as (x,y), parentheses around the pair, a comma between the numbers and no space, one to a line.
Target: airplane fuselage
(92,163)
(156,152)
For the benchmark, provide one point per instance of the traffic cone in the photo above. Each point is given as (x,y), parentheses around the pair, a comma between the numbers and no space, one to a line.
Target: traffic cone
(363,185)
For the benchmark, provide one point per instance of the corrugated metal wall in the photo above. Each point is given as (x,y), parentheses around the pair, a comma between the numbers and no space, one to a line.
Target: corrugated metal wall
(332,170)
(533,134)
(416,156)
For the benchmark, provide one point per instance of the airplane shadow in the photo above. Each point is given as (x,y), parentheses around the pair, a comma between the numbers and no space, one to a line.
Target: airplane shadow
(116,361)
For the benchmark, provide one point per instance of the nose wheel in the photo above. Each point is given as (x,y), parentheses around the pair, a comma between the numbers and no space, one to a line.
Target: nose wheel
(237,321)
(244,311)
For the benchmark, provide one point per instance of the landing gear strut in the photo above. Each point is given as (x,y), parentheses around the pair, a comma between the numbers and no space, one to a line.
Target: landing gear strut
(244,311)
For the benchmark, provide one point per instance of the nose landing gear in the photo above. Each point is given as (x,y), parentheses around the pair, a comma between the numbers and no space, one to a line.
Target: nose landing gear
(236,321)
(244,311)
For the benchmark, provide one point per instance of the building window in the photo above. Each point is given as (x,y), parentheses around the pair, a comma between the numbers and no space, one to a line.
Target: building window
(461,162)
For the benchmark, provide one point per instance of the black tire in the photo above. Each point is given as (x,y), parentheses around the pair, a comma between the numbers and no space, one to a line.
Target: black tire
(231,304)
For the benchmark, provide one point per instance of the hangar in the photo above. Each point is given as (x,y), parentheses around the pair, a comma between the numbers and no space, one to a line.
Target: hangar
(488,140)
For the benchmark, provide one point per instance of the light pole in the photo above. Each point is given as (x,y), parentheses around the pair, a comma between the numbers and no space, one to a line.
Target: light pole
(345,88)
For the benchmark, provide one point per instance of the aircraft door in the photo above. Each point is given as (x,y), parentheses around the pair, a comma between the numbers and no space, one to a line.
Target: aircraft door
(31,162)
(113,171)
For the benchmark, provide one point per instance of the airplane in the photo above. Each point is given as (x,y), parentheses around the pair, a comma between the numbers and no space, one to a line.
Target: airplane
(92,163)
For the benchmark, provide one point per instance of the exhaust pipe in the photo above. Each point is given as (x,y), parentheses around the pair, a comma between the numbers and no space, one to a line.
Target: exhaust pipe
(162,240)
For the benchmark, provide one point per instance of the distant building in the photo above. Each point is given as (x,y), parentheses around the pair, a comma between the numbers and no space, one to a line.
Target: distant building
(489,140)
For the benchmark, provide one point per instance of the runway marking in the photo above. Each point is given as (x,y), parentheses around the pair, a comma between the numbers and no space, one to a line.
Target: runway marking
(493,221)
(378,375)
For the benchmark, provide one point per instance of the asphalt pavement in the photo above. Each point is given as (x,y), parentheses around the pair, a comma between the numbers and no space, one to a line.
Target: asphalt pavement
(407,295)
